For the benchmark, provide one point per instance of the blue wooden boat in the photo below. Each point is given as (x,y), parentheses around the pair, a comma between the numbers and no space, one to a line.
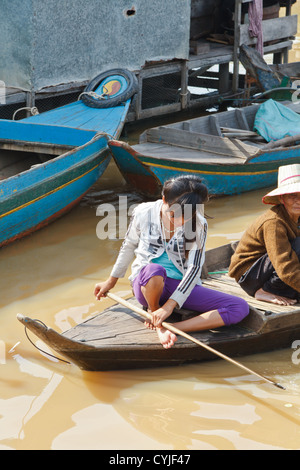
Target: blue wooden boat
(50,160)
(222,148)
(276,81)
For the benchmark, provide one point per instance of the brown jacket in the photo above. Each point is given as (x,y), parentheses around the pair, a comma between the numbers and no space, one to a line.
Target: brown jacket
(272,232)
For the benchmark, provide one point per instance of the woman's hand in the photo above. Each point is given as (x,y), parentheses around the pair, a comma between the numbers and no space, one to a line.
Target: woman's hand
(101,288)
(162,313)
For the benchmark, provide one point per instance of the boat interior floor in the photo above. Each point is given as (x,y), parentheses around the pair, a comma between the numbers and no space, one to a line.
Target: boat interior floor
(222,138)
(13,162)
(220,280)
(177,153)
(262,314)
(112,327)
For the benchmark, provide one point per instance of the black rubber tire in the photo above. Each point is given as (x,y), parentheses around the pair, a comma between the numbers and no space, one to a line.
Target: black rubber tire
(132,88)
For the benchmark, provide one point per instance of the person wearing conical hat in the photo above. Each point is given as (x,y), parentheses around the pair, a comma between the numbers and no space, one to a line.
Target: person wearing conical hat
(266,262)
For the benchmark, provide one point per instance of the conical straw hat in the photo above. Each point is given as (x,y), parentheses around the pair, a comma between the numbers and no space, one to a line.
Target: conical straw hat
(288,182)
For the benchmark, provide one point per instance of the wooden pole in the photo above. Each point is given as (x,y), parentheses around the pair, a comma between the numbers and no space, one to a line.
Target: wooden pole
(175,330)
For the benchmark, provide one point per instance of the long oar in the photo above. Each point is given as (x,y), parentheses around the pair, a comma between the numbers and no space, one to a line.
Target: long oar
(175,330)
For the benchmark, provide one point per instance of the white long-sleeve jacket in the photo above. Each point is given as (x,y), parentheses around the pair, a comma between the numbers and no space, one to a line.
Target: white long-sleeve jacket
(144,241)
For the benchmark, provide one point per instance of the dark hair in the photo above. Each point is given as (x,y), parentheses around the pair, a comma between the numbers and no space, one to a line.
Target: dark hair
(185,189)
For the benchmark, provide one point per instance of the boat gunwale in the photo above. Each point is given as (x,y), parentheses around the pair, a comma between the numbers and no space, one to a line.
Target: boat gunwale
(52,161)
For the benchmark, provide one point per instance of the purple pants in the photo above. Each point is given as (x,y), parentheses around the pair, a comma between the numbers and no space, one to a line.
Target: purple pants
(232,309)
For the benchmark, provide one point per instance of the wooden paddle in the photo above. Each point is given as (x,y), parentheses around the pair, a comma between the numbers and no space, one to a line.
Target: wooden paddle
(175,330)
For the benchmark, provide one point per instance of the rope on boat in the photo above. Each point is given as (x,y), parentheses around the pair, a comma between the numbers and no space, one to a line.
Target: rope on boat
(93,94)
(34,111)
(105,134)
(41,350)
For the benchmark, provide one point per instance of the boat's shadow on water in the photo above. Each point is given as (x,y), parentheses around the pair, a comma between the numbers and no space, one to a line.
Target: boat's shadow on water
(182,405)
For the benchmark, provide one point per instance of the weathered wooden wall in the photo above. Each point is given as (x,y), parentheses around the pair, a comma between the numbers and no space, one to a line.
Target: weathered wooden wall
(48,42)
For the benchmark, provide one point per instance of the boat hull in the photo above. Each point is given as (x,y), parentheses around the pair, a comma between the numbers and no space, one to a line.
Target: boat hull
(62,184)
(138,175)
(147,174)
(141,350)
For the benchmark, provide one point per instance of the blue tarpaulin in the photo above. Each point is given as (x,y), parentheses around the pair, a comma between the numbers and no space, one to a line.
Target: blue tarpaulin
(274,121)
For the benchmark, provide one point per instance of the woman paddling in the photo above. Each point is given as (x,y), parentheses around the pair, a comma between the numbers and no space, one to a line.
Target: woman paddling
(266,262)
(167,238)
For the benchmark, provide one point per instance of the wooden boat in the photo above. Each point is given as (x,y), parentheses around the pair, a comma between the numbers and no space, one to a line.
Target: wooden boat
(117,339)
(275,81)
(221,148)
(49,161)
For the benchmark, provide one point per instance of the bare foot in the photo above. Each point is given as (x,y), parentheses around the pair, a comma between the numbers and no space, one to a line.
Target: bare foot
(166,337)
(275,299)
(148,323)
